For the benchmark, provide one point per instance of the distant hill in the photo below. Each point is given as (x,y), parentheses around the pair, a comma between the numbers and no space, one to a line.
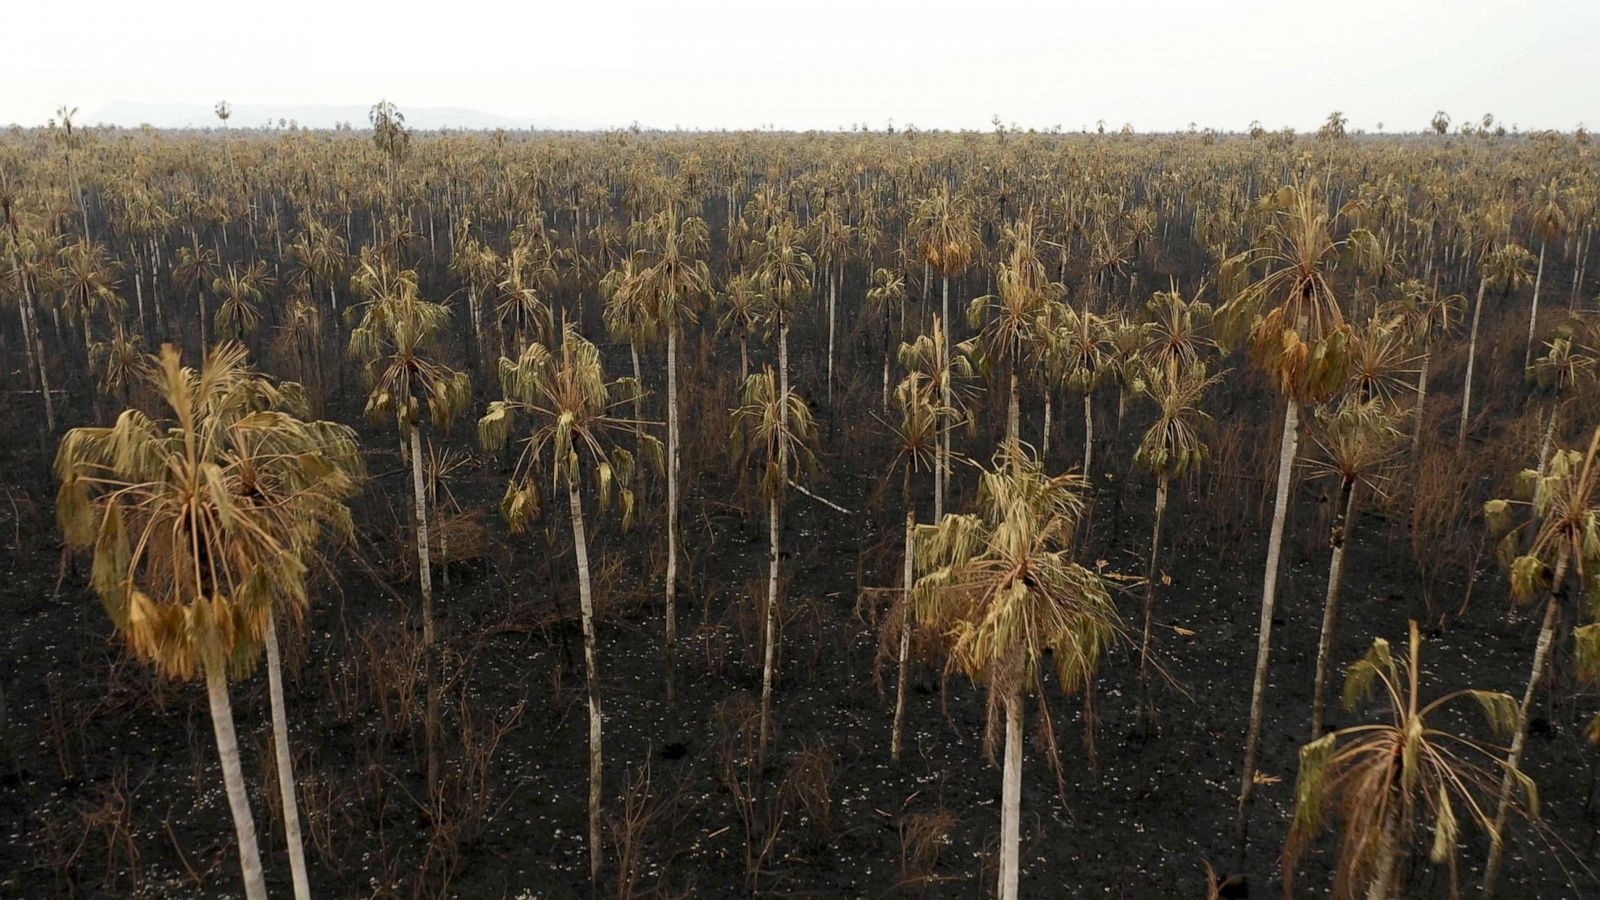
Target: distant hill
(425,118)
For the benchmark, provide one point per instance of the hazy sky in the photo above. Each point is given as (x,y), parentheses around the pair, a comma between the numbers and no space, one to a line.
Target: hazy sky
(1158,64)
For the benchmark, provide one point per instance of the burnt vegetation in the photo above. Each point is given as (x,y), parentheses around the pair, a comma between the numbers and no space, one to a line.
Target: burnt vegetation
(650,514)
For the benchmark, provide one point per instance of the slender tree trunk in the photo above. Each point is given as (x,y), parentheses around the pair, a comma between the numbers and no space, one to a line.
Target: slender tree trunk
(1088,432)
(944,348)
(244,825)
(425,578)
(1422,403)
(907,619)
(591,674)
(1269,596)
(1343,524)
(744,359)
(1472,358)
(771,617)
(1150,590)
(833,295)
(672,502)
(1533,310)
(1519,741)
(1384,886)
(1011,800)
(1013,411)
(286,782)
(1044,441)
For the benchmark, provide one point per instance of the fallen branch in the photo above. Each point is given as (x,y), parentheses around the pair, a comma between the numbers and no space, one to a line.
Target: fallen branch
(823,500)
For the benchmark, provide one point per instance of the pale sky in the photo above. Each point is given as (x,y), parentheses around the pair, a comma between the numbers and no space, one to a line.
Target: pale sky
(1158,64)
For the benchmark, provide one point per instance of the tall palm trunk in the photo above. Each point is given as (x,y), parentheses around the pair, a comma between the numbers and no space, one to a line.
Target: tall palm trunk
(769,653)
(1269,596)
(770,633)
(1088,432)
(1472,358)
(1044,441)
(1150,588)
(944,349)
(1343,524)
(1422,400)
(244,825)
(286,782)
(1519,741)
(30,337)
(1011,800)
(672,502)
(905,623)
(1013,411)
(833,298)
(1533,310)
(591,673)
(425,577)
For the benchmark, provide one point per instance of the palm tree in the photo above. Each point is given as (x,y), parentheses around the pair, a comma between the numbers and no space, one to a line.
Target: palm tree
(887,293)
(32,260)
(88,283)
(1565,366)
(1425,316)
(1549,222)
(1007,323)
(1003,594)
(572,410)
(1083,356)
(1561,507)
(241,291)
(948,375)
(1486,233)
(778,425)
(395,341)
(1358,441)
(1290,318)
(832,240)
(742,312)
(916,437)
(1172,447)
(673,284)
(949,240)
(1381,778)
(201,524)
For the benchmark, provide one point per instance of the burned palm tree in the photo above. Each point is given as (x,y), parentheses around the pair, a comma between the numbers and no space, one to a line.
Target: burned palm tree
(202,525)
(1386,779)
(777,428)
(1358,441)
(921,423)
(1296,332)
(1561,509)
(1004,596)
(571,413)
(1171,448)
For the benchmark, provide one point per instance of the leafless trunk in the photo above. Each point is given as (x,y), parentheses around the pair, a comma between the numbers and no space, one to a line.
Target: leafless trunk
(1533,310)
(1343,524)
(1150,587)
(672,501)
(591,673)
(906,619)
(1011,801)
(1269,596)
(1472,358)
(1519,741)
(286,782)
(425,577)
(244,825)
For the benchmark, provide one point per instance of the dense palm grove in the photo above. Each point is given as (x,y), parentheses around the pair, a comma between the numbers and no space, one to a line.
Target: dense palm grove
(684,514)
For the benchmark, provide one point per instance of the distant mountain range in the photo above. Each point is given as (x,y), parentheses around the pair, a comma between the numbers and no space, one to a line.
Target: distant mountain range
(424,118)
